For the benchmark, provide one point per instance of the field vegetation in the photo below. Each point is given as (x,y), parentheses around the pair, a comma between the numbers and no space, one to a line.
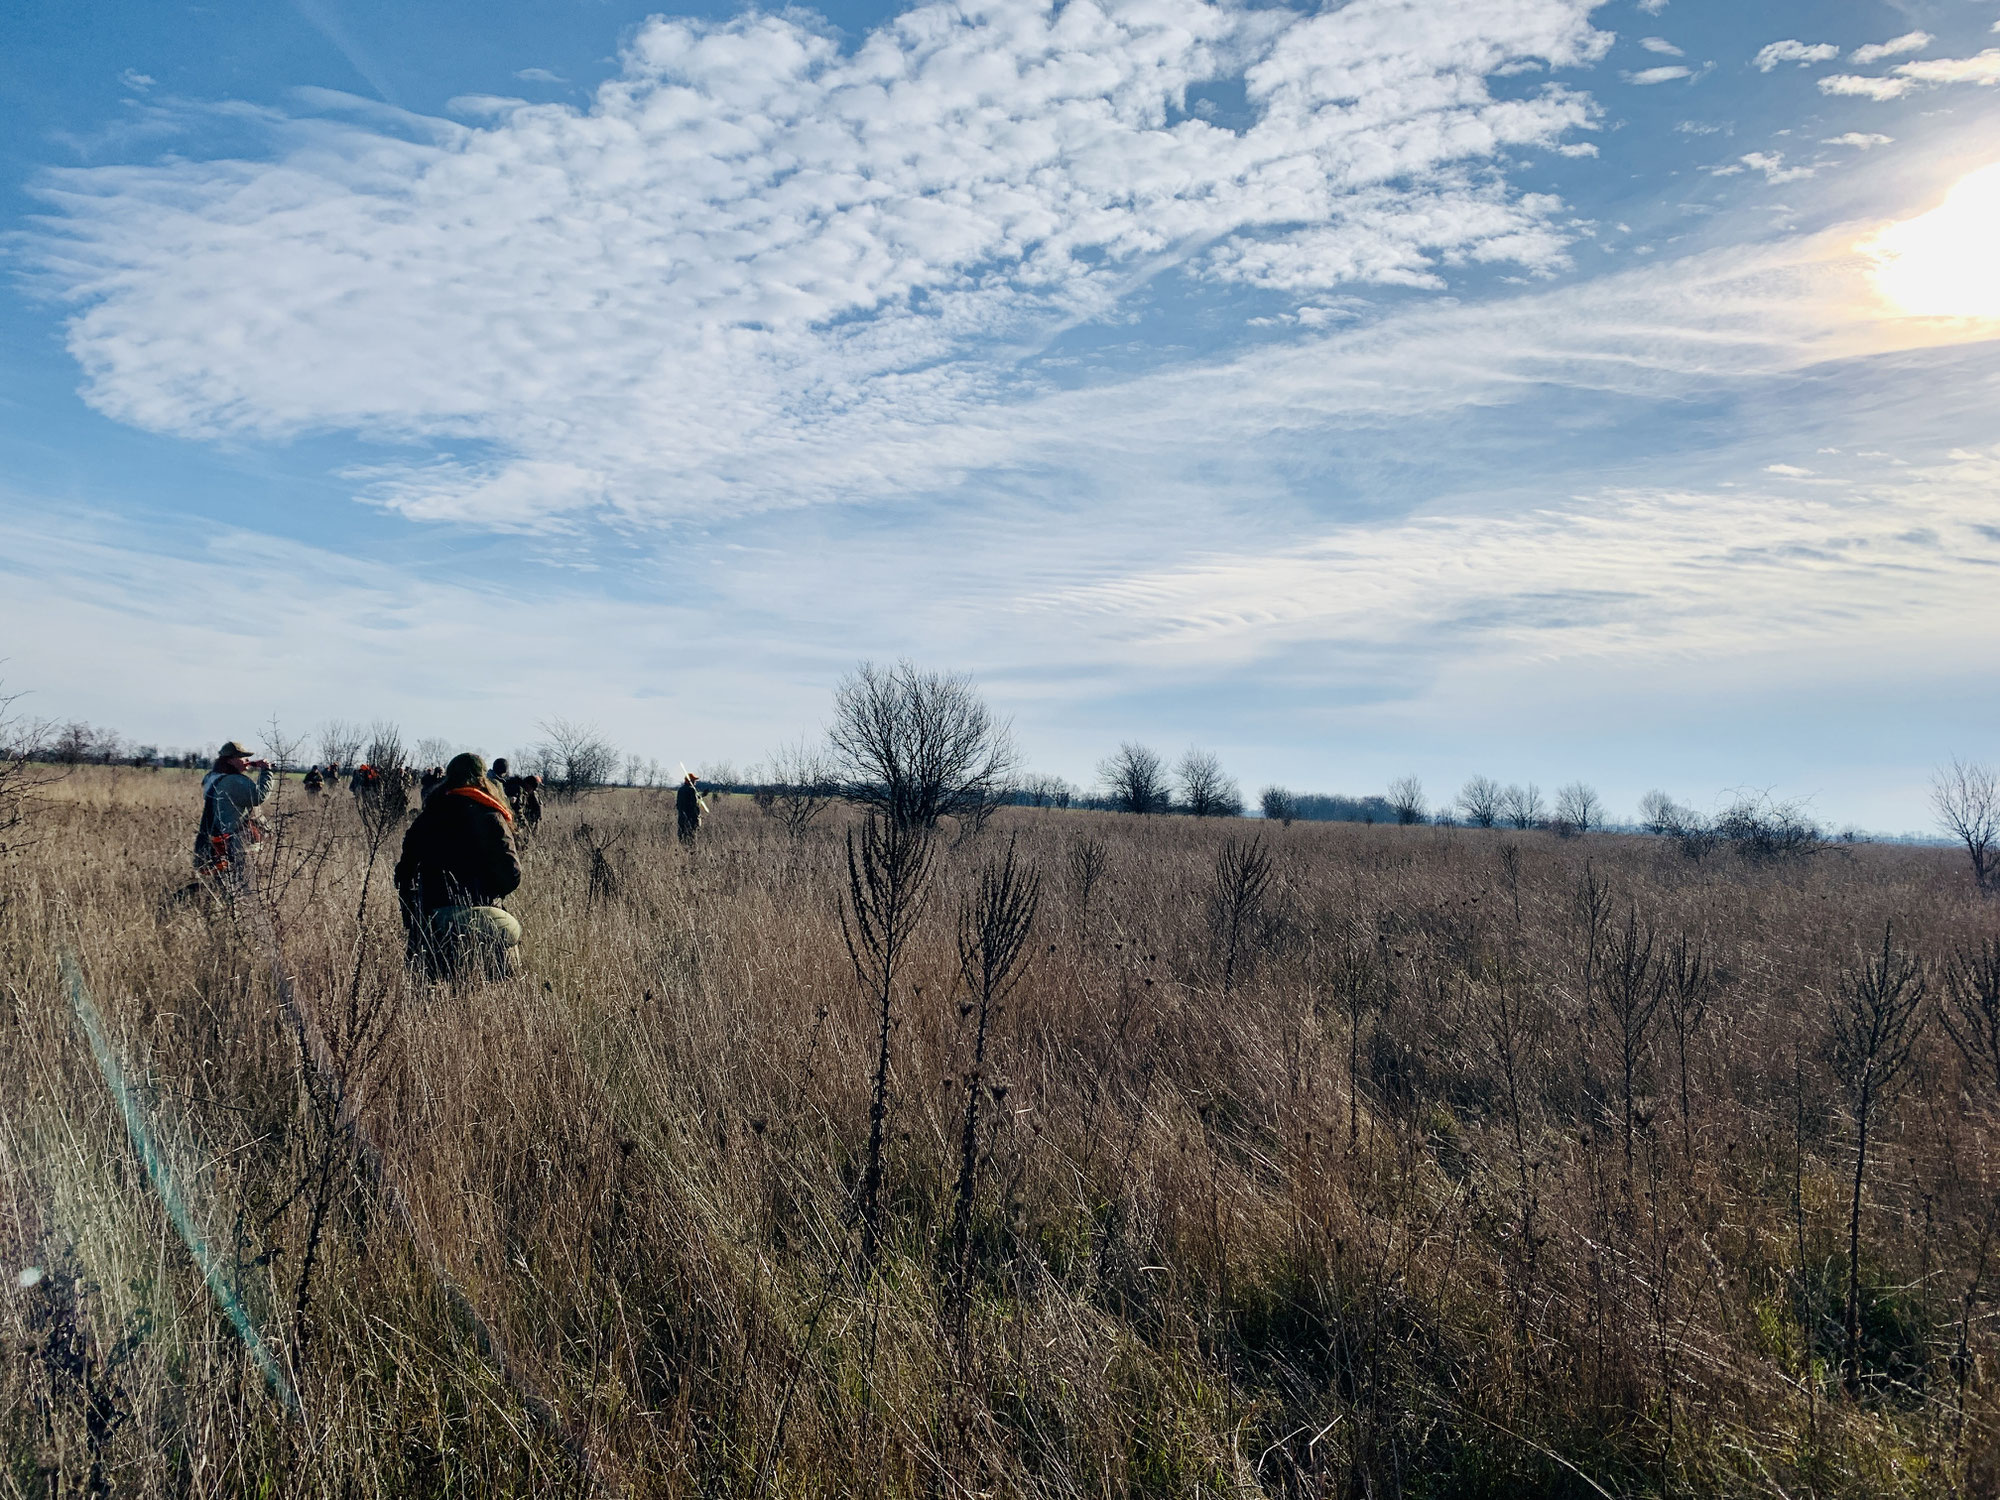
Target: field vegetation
(1043,1152)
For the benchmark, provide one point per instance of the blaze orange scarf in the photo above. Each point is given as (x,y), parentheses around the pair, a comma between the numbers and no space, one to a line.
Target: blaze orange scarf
(484,799)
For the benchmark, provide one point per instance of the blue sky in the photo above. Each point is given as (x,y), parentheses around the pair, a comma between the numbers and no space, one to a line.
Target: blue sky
(1508,389)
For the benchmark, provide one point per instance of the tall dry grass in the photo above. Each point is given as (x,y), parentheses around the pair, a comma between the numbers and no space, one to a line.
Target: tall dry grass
(1432,1162)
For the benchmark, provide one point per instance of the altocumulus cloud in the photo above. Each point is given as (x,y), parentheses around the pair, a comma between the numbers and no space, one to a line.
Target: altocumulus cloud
(761,268)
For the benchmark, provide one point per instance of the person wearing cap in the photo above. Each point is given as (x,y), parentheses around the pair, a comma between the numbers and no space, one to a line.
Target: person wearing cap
(688,809)
(458,862)
(229,799)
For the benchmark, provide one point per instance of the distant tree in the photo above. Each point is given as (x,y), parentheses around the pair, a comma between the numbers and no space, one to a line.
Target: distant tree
(1135,779)
(1207,791)
(1760,830)
(1406,799)
(1659,813)
(1480,800)
(574,758)
(1966,798)
(1578,809)
(802,784)
(71,744)
(1522,806)
(22,743)
(340,742)
(434,750)
(919,745)
(1044,791)
(1279,805)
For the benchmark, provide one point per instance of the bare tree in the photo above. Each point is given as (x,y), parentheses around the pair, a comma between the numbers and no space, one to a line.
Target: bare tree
(1578,809)
(1279,805)
(1406,799)
(1242,878)
(22,741)
(1877,1019)
(435,750)
(1966,798)
(577,757)
(340,742)
(1135,779)
(1480,800)
(1522,806)
(1045,791)
(919,746)
(1972,984)
(1207,791)
(802,785)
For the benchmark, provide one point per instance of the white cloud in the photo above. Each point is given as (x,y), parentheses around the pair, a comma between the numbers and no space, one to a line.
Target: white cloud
(1864,88)
(759,270)
(1982,69)
(1909,41)
(539,75)
(1789,471)
(132,78)
(1860,139)
(1652,7)
(1667,74)
(1801,53)
(1660,45)
(1772,165)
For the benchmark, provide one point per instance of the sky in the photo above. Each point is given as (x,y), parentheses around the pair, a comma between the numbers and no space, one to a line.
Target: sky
(1529,389)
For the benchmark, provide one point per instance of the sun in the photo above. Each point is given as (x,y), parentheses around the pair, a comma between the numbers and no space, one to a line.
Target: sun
(1946,263)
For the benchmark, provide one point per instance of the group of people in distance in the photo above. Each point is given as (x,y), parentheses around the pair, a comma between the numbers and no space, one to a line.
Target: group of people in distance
(458,860)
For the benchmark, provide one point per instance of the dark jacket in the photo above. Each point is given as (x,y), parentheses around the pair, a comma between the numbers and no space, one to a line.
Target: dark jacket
(458,852)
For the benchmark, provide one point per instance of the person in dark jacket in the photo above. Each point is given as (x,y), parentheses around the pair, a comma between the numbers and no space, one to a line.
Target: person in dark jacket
(688,808)
(458,862)
(229,801)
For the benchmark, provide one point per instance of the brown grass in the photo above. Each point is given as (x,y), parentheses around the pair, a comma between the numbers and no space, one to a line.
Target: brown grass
(612,1243)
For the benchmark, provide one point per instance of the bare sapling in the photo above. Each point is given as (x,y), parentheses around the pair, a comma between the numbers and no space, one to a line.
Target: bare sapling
(598,847)
(803,784)
(1087,862)
(1633,986)
(1688,982)
(994,924)
(1357,976)
(1877,1019)
(1242,878)
(888,881)
(1971,1013)
(21,742)
(1509,1035)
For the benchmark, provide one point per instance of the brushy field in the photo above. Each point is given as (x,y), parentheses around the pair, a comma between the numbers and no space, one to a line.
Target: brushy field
(1425,1162)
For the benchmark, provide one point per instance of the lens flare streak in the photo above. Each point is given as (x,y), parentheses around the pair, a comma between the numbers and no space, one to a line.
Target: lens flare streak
(160,1173)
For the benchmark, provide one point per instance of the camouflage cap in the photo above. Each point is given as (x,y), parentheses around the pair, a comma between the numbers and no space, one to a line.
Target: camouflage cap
(232,751)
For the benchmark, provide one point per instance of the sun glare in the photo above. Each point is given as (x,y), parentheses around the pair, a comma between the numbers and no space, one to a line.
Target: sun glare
(1946,263)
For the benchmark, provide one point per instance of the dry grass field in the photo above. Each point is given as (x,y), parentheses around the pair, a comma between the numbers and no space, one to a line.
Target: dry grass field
(1423,1162)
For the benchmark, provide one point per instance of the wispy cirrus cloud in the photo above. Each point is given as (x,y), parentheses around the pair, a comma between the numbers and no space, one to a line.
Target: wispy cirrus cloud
(760,269)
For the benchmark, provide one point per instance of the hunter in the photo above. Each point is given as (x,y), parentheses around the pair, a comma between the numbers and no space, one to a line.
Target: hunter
(458,862)
(229,800)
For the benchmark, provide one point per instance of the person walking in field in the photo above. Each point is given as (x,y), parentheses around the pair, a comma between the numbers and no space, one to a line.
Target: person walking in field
(458,862)
(315,781)
(688,808)
(229,800)
(530,802)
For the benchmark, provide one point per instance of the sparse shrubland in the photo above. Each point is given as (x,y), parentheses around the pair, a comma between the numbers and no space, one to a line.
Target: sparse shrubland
(1337,1160)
